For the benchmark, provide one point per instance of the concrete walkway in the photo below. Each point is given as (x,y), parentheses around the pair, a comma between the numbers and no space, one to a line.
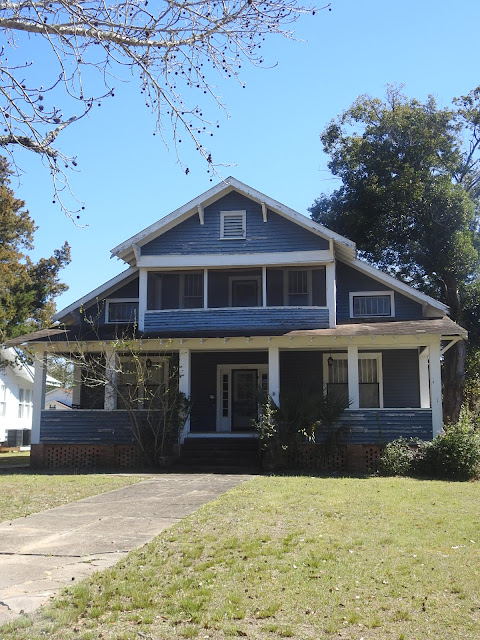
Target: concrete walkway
(44,552)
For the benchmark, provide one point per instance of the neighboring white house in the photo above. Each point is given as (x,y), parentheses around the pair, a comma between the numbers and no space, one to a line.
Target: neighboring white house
(58,399)
(16,399)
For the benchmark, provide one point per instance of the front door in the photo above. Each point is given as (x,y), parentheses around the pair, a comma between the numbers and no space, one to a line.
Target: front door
(237,400)
(244,399)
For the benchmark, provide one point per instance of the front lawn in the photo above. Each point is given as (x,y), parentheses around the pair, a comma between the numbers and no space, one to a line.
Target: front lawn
(24,493)
(293,557)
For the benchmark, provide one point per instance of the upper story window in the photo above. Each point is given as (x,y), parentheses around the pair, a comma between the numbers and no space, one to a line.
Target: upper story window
(370,304)
(192,290)
(24,403)
(299,288)
(3,400)
(121,311)
(233,225)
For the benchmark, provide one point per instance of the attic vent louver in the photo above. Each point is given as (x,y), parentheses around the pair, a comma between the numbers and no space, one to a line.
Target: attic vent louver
(233,225)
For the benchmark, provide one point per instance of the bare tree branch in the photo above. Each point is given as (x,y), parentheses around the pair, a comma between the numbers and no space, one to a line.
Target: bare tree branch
(175,48)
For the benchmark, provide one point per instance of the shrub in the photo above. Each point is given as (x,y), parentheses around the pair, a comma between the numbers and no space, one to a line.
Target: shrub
(397,458)
(454,454)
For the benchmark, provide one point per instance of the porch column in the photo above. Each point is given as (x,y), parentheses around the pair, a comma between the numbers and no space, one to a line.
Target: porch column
(110,400)
(353,388)
(436,387)
(274,374)
(77,384)
(331,294)
(185,374)
(142,297)
(424,378)
(264,286)
(39,383)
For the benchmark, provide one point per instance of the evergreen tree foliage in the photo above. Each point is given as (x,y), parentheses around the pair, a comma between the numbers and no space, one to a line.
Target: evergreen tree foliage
(27,288)
(409,198)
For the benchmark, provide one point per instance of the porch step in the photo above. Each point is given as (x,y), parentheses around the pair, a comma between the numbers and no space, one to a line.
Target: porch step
(220,453)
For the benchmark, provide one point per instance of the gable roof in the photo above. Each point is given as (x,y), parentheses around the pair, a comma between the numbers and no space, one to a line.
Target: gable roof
(127,249)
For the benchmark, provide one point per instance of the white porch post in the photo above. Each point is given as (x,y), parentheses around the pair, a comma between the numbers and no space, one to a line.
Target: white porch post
(39,383)
(274,374)
(142,298)
(77,384)
(331,294)
(436,387)
(264,286)
(353,388)
(205,288)
(110,400)
(424,379)
(184,384)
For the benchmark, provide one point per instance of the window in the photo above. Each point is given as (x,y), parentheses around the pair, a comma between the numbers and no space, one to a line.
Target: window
(192,290)
(24,403)
(141,382)
(369,378)
(233,225)
(245,291)
(298,288)
(122,311)
(369,304)
(3,400)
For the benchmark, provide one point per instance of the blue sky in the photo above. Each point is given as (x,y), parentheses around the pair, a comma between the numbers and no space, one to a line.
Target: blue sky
(128,179)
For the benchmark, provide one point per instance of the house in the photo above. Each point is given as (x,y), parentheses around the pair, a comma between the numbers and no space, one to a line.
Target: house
(58,399)
(246,292)
(16,394)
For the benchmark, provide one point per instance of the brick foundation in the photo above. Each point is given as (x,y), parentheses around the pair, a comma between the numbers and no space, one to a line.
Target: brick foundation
(86,456)
(352,458)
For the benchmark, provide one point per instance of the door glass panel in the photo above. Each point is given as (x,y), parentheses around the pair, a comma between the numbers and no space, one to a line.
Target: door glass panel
(244,400)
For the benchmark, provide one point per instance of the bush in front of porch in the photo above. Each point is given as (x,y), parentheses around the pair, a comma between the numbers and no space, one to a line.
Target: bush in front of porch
(305,416)
(454,454)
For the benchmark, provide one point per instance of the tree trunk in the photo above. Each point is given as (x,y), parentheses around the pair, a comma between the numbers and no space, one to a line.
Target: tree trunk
(454,381)
(454,360)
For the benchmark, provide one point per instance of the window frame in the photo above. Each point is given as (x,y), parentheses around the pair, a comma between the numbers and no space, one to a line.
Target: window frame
(120,300)
(231,214)
(374,355)
(181,296)
(3,400)
(286,286)
(164,360)
(25,407)
(232,279)
(365,294)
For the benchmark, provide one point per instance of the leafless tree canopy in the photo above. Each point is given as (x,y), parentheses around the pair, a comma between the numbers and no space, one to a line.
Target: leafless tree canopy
(178,50)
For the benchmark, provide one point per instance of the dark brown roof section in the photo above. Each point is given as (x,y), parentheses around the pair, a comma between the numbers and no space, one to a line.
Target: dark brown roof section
(437,326)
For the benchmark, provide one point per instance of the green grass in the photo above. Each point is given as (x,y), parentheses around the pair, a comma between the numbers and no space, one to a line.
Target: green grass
(292,557)
(24,493)
(11,458)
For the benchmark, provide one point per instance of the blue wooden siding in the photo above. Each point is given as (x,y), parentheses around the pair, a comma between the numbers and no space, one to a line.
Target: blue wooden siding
(379,426)
(349,279)
(246,321)
(278,234)
(85,427)
(203,417)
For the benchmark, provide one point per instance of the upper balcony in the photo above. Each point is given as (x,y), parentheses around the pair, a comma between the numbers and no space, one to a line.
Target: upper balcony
(255,300)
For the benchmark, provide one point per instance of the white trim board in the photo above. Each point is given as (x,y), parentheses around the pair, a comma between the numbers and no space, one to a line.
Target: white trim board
(280,258)
(215,193)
